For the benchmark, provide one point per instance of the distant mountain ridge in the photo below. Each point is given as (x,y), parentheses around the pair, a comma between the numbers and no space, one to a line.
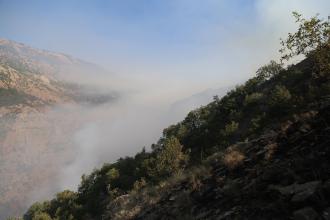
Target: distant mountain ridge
(32,82)
(36,61)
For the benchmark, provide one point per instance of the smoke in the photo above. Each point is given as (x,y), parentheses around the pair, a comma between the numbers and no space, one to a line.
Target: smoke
(84,136)
(136,120)
(80,137)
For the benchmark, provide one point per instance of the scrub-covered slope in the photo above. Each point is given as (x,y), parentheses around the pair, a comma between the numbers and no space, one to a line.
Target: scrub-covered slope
(260,152)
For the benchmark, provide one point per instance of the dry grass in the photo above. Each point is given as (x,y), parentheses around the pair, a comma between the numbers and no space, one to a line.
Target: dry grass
(271,149)
(233,158)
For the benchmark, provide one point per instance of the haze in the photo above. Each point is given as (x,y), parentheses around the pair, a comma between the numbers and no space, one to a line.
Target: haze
(156,53)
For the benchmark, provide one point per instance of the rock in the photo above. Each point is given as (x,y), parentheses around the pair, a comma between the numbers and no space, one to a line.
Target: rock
(326,187)
(305,192)
(296,189)
(205,194)
(231,189)
(306,213)
(326,214)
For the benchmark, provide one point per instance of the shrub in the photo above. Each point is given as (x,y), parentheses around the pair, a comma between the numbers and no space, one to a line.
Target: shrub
(233,158)
(269,70)
(42,216)
(35,209)
(280,97)
(168,161)
(252,98)
(139,184)
(230,128)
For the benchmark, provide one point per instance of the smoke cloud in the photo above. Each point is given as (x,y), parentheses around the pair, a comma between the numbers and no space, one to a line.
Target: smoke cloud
(146,79)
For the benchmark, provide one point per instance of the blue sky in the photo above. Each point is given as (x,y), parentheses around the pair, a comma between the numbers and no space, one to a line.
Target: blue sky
(205,40)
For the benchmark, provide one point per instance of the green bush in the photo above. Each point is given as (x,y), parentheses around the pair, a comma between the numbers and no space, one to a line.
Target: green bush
(269,70)
(280,97)
(42,216)
(170,160)
(253,98)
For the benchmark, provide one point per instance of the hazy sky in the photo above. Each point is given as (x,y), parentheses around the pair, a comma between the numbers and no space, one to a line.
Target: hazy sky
(211,42)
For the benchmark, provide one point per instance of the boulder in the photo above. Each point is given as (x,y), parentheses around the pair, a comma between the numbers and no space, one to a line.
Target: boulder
(326,214)
(305,192)
(296,189)
(306,213)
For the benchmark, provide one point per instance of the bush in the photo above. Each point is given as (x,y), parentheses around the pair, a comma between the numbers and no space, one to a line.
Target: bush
(42,216)
(269,70)
(170,160)
(35,209)
(139,184)
(253,98)
(280,97)
(230,128)
(233,158)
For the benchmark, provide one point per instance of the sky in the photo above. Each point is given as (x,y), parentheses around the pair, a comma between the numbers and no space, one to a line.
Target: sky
(210,43)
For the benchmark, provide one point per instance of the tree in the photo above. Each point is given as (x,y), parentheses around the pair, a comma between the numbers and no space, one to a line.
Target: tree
(168,161)
(112,174)
(230,129)
(252,99)
(312,39)
(280,99)
(64,205)
(269,70)
(42,216)
(36,209)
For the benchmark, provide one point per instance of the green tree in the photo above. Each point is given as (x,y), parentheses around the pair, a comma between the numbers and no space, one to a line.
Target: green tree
(64,205)
(312,39)
(252,98)
(112,174)
(42,216)
(170,160)
(280,100)
(35,209)
(230,129)
(271,69)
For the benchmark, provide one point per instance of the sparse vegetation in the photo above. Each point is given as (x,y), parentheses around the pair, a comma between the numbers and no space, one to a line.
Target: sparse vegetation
(11,96)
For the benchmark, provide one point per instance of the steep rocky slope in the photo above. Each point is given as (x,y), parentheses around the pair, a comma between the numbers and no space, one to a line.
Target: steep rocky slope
(284,174)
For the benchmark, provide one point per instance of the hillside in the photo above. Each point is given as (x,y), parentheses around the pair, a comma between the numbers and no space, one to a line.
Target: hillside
(35,138)
(30,60)
(283,174)
(260,152)
(277,154)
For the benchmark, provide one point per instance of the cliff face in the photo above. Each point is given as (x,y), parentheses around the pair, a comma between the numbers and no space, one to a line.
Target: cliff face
(34,134)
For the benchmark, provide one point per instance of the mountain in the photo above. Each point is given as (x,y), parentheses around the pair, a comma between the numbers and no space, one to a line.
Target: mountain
(259,152)
(30,60)
(35,132)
